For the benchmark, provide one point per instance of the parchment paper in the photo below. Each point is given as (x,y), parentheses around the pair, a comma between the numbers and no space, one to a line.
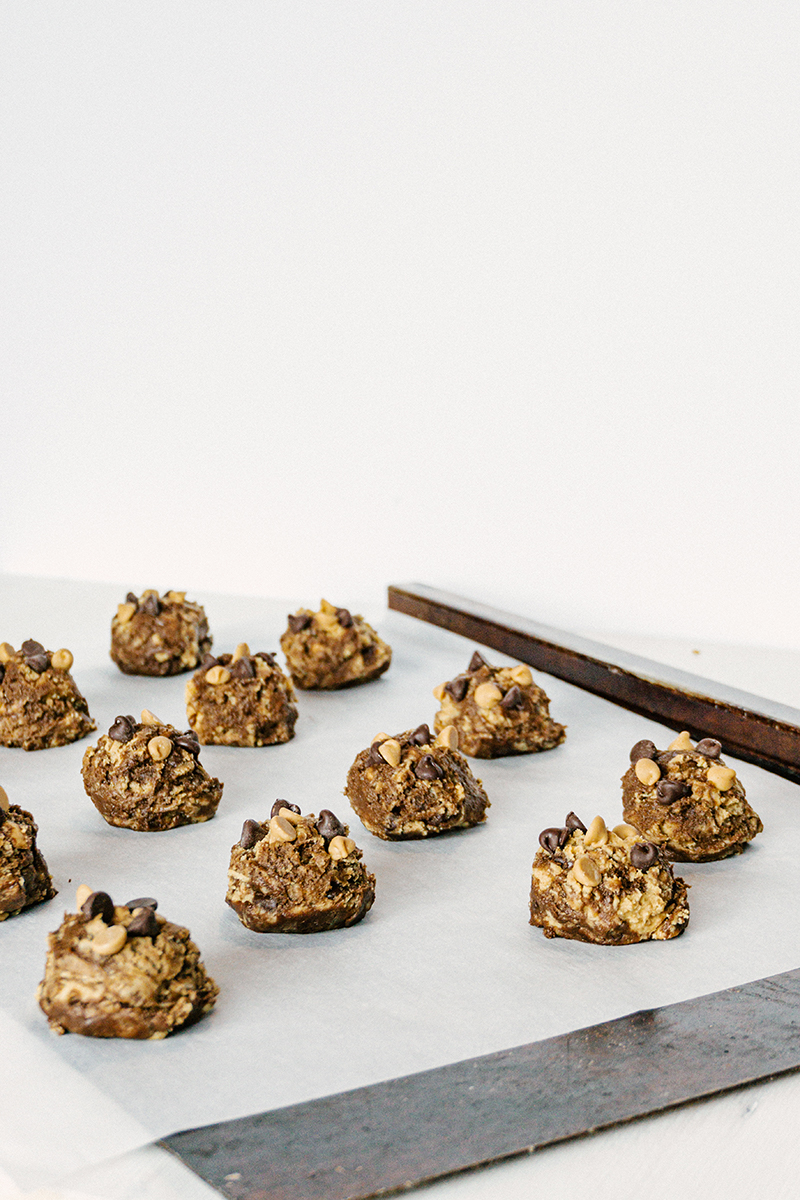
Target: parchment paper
(444,967)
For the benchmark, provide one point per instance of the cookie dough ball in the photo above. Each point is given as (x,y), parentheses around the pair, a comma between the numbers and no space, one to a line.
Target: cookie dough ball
(298,874)
(122,971)
(145,775)
(688,800)
(241,699)
(333,649)
(24,878)
(159,635)
(607,886)
(497,711)
(412,786)
(40,705)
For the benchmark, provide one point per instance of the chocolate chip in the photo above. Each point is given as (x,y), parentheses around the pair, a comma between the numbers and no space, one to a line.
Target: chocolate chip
(643,749)
(428,768)
(208,662)
(553,839)
(132,598)
(458,687)
(188,741)
(710,747)
(144,924)
(670,790)
(513,698)
(37,662)
(643,855)
(344,618)
(151,605)
(99,904)
(574,822)
(375,755)
(3,814)
(268,658)
(252,832)
(122,729)
(279,804)
(142,902)
(299,621)
(421,736)
(368,652)
(328,825)
(476,662)
(2,672)
(242,669)
(30,648)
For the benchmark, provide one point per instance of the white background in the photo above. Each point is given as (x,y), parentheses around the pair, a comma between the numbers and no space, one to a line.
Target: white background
(306,298)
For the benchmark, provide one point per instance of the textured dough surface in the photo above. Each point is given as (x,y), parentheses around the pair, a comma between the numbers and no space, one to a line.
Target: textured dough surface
(393,802)
(704,825)
(39,708)
(333,648)
(147,989)
(626,904)
(497,711)
(132,790)
(24,877)
(296,886)
(164,635)
(254,706)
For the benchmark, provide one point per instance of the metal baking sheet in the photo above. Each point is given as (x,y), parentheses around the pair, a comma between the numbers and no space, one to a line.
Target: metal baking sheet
(444,968)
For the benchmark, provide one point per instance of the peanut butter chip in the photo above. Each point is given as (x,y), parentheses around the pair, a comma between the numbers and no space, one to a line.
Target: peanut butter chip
(111,940)
(390,751)
(626,832)
(448,737)
(341,847)
(6,650)
(159,748)
(4,804)
(217,675)
(487,695)
(82,895)
(281,830)
(150,718)
(125,612)
(682,742)
(596,834)
(647,772)
(292,817)
(62,660)
(380,737)
(176,597)
(586,872)
(438,692)
(241,651)
(721,778)
(522,676)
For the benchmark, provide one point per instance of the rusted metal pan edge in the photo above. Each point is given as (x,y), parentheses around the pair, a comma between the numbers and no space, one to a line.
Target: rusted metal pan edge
(750,728)
(386,1137)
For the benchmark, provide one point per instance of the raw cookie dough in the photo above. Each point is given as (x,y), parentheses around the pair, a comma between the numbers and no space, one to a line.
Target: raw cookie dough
(146,775)
(332,648)
(686,799)
(241,699)
(24,878)
(412,786)
(122,971)
(497,711)
(298,874)
(40,705)
(159,635)
(607,886)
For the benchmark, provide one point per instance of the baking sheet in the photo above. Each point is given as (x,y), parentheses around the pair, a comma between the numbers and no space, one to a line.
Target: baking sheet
(445,965)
